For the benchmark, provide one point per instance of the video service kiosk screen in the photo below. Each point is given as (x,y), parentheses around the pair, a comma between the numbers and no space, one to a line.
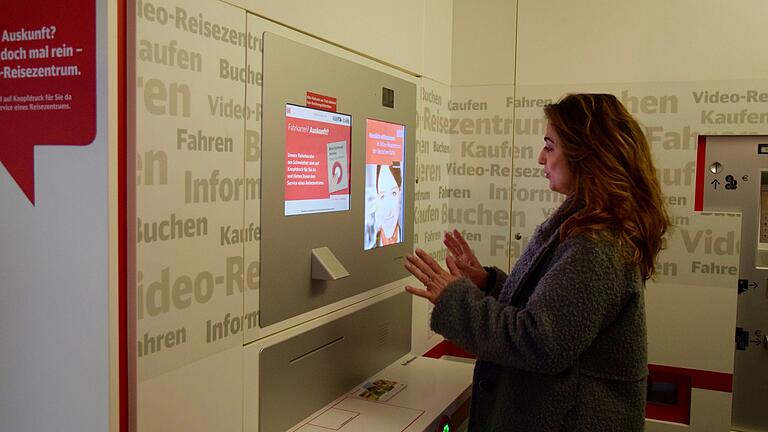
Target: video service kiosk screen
(317,160)
(384,174)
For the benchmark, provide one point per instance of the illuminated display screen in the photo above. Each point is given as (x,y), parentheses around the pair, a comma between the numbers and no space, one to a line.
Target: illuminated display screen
(317,159)
(384,175)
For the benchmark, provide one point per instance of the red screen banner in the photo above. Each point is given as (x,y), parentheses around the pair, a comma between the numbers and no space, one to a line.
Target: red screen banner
(383,142)
(47,80)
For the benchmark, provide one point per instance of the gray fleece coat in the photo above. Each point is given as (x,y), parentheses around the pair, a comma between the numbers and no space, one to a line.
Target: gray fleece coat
(561,342)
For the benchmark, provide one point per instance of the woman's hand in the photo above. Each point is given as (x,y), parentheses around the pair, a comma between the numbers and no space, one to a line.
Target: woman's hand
(464,259)
(429,272)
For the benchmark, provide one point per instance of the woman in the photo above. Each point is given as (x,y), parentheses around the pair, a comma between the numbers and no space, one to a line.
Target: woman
(561,341)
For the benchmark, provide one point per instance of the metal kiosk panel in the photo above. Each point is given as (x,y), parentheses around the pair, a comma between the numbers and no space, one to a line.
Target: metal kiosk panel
(294,74)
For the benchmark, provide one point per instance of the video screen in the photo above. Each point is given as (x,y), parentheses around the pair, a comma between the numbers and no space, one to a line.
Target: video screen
(384,174)
(317,160)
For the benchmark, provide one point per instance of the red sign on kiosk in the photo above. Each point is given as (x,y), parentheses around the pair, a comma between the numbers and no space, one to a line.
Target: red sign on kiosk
(47,81)
(325,103)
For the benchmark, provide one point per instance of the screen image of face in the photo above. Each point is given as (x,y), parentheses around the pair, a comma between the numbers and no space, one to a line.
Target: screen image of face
(317,160)
(384,173)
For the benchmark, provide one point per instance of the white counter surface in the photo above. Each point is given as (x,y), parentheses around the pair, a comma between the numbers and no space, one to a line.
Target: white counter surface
(432,388)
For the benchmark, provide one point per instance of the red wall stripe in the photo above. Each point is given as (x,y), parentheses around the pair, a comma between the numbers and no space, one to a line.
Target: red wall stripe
(701,153)
(447,348)
(701,379)
(679,412)
(122,216)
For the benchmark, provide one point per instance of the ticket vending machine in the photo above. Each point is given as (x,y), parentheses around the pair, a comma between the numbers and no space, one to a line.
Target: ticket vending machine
(337,181)
(732,176)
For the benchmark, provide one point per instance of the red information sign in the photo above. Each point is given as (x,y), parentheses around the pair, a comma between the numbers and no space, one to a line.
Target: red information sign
(47,80)
(326,103)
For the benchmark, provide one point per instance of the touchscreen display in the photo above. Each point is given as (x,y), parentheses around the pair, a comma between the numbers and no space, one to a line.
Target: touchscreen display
(317,158)
(384,174)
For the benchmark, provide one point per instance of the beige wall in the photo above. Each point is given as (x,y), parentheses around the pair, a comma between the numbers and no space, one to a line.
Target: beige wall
(661,59)
(409,35)
(596,41)
(193,282)
(483,42)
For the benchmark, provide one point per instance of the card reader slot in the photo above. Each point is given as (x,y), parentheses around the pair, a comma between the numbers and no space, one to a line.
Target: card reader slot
(312,351)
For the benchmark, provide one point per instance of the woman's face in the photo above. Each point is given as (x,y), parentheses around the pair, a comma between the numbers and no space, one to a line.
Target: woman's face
(388,201)
(555,164)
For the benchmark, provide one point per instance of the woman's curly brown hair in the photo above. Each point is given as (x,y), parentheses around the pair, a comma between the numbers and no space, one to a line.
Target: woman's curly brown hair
(616,182)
